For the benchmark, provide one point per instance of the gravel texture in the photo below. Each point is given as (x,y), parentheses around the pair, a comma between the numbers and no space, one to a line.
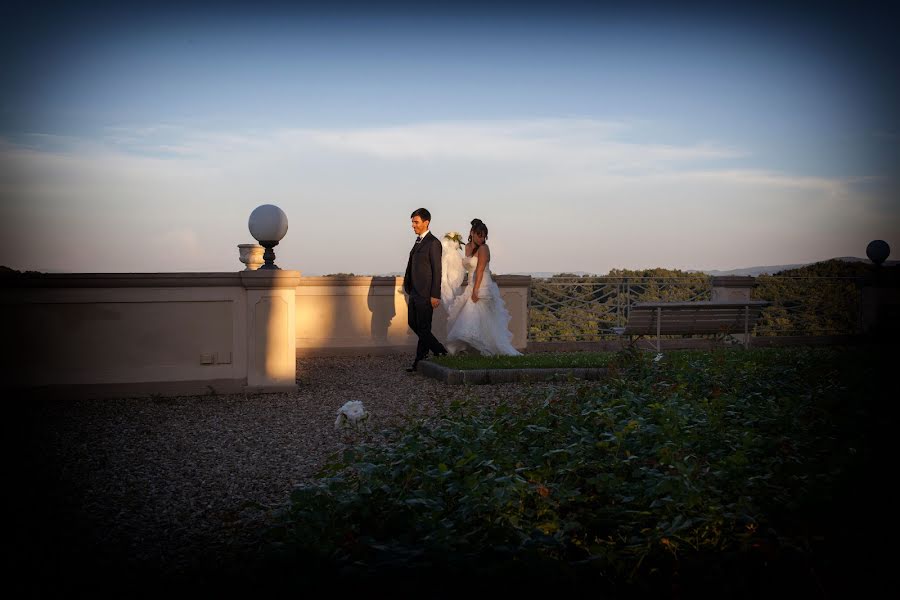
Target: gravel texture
(160,484)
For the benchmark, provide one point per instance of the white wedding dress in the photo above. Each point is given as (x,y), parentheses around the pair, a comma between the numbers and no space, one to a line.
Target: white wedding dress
(482,325)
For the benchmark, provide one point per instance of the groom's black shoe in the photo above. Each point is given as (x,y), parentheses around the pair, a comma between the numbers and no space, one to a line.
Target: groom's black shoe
(413,368)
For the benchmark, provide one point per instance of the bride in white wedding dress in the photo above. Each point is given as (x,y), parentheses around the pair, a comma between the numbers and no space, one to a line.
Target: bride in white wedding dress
(476,316)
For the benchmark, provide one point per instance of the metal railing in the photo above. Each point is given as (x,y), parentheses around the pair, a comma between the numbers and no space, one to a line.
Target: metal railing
(569,308)
(588,308)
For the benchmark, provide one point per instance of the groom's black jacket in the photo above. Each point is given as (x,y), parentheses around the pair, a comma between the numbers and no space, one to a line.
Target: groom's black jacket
(423,271)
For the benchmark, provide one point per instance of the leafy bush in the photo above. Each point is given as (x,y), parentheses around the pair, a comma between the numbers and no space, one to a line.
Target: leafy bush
(526,361)
(717,471)
(568,307)
(818,299)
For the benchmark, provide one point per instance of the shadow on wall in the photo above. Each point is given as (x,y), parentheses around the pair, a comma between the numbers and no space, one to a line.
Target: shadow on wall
(381,305)
(343,312)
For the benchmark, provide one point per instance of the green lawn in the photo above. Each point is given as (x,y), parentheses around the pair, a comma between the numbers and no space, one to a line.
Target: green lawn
(526,361)
(720,474)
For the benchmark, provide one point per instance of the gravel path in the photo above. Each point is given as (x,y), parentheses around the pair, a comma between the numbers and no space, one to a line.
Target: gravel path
(157,483)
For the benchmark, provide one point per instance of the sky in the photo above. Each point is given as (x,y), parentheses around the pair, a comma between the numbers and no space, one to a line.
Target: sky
(587,136)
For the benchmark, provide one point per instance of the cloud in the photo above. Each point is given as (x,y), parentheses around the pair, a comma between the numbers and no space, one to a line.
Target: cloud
(554,142)
(168,191)
(754,177)
(573,142)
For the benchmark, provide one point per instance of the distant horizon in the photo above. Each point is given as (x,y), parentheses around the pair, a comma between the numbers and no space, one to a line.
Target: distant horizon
(763,268)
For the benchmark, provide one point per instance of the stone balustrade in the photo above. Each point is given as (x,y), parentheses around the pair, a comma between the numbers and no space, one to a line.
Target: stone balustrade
(353,315)
(142,334)
(122,334)
(112,334)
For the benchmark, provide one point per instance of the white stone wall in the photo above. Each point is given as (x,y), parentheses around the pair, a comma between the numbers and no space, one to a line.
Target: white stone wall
(365,314)
(189,333)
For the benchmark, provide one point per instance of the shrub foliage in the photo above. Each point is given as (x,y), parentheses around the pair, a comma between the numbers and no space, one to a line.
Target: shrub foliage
(701,470)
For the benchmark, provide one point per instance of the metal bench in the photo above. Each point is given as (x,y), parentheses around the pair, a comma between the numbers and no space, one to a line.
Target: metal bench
(688,318)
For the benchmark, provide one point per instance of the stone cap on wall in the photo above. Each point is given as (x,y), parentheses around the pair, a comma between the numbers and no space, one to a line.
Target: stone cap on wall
(257,279)
(249,279)
(269,278)
(392,281)
(512,280)
(741,281)
(351,280)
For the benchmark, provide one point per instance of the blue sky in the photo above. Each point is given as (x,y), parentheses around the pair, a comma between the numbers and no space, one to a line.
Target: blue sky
(587,137)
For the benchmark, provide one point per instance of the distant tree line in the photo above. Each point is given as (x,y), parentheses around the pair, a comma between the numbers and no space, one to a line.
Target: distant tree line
(817,299)
(568,307)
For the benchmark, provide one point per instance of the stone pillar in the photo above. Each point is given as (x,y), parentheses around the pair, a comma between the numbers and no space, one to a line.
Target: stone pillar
(271,329)
(879,309)
(516,293)
(732,288)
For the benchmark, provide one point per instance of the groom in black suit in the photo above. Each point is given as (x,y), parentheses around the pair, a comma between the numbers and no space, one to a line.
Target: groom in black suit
(422,282)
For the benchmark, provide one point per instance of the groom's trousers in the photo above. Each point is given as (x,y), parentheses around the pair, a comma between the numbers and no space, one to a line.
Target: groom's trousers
(420,313)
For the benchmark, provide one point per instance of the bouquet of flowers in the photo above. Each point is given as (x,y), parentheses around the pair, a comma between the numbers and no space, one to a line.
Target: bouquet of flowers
(454,236)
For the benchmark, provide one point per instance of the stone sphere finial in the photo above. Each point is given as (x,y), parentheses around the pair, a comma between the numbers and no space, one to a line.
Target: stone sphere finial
(268,224)
(878,251)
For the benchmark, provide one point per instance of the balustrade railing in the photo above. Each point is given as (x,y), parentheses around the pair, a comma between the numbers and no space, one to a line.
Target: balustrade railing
(588,308)
(568,308)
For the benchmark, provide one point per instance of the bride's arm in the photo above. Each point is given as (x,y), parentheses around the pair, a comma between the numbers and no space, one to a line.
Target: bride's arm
(484,257)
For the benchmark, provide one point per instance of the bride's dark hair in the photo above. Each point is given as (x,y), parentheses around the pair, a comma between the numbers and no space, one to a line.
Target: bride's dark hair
(478,226)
